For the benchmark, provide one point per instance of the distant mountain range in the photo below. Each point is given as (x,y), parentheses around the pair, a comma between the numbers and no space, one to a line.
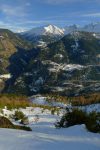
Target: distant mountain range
(50,59)
(92,27)
(45,30)
(54,30)
(51,33)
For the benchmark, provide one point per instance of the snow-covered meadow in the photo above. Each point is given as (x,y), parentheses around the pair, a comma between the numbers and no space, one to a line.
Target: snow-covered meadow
(44,135)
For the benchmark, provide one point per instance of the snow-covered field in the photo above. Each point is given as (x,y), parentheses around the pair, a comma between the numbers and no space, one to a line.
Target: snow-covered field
(90,108)
(40,100)
(45,136)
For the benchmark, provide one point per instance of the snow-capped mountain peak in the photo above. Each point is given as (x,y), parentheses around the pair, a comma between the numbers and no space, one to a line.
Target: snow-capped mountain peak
(53,30)
(56,31)
(46,30)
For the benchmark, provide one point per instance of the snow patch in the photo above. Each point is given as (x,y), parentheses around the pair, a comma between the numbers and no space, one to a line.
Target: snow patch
(5,76)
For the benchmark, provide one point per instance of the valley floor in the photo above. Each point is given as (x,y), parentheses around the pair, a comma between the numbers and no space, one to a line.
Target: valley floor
(45,136)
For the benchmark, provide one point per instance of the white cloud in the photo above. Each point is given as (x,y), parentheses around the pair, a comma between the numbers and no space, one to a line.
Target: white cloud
(57,2)
(61,1)
(11,27)
(20,30)
(13,11)
(5,25)
(92,15)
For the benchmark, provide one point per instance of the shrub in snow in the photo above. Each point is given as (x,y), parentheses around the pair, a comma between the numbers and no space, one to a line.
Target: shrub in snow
(25,121)
(72,118)
(93,122)
(1,111)
(52,111)
(19,115)
(75,117)
(6,123)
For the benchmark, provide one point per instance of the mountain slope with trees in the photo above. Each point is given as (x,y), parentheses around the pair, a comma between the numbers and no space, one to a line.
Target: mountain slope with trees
(69,66)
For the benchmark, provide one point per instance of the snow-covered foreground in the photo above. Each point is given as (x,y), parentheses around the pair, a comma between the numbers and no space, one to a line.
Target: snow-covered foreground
(45,136)
(73,138)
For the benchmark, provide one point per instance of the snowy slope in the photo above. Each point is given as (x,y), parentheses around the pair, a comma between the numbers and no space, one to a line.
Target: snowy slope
(5,76)
(90,108)
(40,100)
(45,137)
(45,30)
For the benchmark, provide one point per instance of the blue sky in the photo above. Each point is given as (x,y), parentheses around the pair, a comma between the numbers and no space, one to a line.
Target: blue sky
(26,14)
